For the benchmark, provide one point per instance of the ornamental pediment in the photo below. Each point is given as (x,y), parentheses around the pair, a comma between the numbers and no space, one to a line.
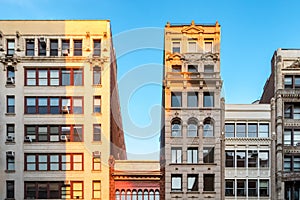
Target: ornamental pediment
(175,56)
(192,29)
(295,64)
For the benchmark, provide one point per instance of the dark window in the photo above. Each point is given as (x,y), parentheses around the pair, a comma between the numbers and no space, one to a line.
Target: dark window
(10,75)
(252,130)
(241,130)
(96,75)
(292,81)
(53,47)
(176,68)
(97,132)
(97,104)
(10,47)
(229,187)
(264,188)
(208,99)
(252,158)
(263,157)
(176,128)
(208,182)
(97,48)
(10,189)
(208,128)
(65,47)
(176,153)
(292,137)
(241,188)
(192,99)
(10,104)
(229,159)
(42,47)
(292,110)
(252,188)
(77,47)
(192,155)
(29,47)
(288,163)
(192,68)
(229,130)
(96,189)
(241,158)
(176,182)
(192,129)
(208,154)
(176,99)
(176,47)
(10,161)
(192,182)
(10,132)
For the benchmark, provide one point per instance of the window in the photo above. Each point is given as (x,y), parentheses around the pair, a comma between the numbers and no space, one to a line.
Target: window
(229,130)
(10,47)
(252,188)
(208,47)
(29,47)
(97,132)
(53,47)
(192,68)
(252,130)
(176,99)
(292,81)
(291,137)
(208,99)
(157,195)
(292,110)
(263,130)
(77,105)
(176,128)
(192,46)
(241,158)
(10,162)
(77,190)
(96,75)
(192,182)
(241,130)
(65,47)
(241,188)
(208,68)
(176,182)
(42,77)
(96,189)
(97,162)
(42,47)
(252,158)
(208,154)
(229,187)
(192,155)
(151,195)
(229,159)
(192,98)
(97,48)
(97,104)
(146,195)
(192,129)
(134,195)
(288,163)
(263,157)
(77,47)
(10,75)
(208,128)
(264,188)
(10,104)
(10,189)
(176,47)
(208,182)
(176,153)
(10,132)
(176,68)
(140,195)
(42,105)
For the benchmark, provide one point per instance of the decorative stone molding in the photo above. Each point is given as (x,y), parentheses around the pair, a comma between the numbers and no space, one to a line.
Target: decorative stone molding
(8,60)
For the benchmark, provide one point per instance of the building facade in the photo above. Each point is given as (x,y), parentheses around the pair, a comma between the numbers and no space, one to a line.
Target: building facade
(193,115)
(282,91)
(57,125)
(248,152)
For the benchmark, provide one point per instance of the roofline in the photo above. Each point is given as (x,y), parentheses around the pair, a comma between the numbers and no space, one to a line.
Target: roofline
(37,20)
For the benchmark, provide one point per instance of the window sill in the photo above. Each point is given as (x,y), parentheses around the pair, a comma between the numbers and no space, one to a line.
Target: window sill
(98,85)
(176,192)
(9,198)
(208,192)
(10,171)
(193,192)
(10,143)
(10,85)
(97,114)
(10,114)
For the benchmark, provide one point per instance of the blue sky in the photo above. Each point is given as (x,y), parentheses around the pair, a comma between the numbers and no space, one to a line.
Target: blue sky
(251,31)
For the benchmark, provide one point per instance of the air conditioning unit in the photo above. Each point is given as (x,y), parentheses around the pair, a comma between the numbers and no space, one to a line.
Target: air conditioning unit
(10,80)
(67,182)
(65,109)
(10,154)
(65,52)
(27,139)
(63,138)
(42,40)
(96,154)
(10,138)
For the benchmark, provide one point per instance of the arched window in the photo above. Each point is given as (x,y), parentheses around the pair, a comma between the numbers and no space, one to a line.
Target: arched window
(146,195)
(176,128)
(123,195)
(208,128)
(140,195)
(134,195)
(157,195)
(192,128)
(117,195)
(151,195)
(128,195)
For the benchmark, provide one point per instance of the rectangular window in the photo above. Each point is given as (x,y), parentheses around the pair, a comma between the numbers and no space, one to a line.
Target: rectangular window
(10,189)
(176,47)
(42,47)
(97,48)
(241,158)
(208,99)
(263,157)
(192,155)
(208,47)
(208,154)
(263,130)
(96,75)
(229,130)
(192,99)
(288,163)
(252,158)
(10,161)
(10,132)
(264,188)
(291,81)
(66,77)
(252,188)
(192,182)
(10,104)
(97,104)
(241,187)
(97,162)
(192,68)
(252,130)
(292,111)
(30,77)
(77,105)
(65,47)
(77,47)
(29,47)
(96,189)
(176,182)
(10,47)
(53,47)
(10,75)
(229,187)
(241,130)
(77,77)
(97,132)
(229,159)
(54,77)
(192,47)
(176,99)
(176,68)
(42,77)
(208,68)
(208,182)
(176,153)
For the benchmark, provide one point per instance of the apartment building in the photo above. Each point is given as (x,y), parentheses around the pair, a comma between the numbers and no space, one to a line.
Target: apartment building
(248,152)
(60,115)
(282,91)
(193,115)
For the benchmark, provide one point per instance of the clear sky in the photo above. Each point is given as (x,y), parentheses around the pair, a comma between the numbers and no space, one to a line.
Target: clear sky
(250,33)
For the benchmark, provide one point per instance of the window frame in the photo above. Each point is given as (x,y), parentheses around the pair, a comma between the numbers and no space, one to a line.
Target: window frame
(96,134)
(195,186)
(177,152)
(176,99)
(208,100)
(95,48)
(192,155)
(97,73)
(179,177)
(209,158)
(208,182)
(77,50)
(10,104)
(10,189)
(10,50)
(192,99)
(54,49)
(30,47)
